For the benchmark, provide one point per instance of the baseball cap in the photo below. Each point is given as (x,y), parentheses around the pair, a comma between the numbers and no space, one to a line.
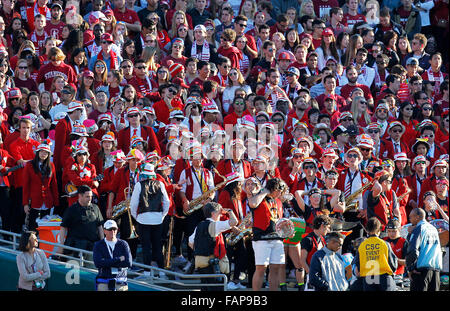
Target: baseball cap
(110,224)
(412,61)
(294,71)
(107,37)
(284,56)
(327,32)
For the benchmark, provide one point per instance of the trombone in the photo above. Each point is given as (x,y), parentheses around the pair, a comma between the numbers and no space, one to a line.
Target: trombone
(124,207)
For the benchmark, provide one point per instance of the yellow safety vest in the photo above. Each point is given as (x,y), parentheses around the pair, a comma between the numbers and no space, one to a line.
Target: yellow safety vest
(373,257)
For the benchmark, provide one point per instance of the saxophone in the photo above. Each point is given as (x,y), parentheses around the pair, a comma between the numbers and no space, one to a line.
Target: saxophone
(197,203)
(348,201)
(245,228)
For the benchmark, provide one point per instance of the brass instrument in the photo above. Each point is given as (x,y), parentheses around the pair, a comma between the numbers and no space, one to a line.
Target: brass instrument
(169,244)
(124,207)
(197,203)
(402,196)
(245,228)
(348,201)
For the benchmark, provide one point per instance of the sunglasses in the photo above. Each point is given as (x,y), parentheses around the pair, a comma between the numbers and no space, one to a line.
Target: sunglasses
(140,67)
(352,155)
(277,120)
(129,66)
(408,109)
(397,131)
(309,167)
(242,25)
(23,67)
(239,103)
(99,66)
(132,116)
(88,106)
(347,119)
(426,108)
(420,162)
(373,131)
(107,42)
(382,110)
(365,149)
(111,229)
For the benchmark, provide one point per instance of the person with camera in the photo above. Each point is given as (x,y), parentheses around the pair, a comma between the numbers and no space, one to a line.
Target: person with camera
(32,264)
(208,243)
(112,257)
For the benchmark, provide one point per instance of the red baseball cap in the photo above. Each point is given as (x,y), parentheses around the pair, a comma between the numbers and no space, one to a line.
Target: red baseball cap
(328,32)
(107,37)
(284,56)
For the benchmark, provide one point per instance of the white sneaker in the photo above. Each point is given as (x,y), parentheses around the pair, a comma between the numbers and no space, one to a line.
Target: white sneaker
(232,286)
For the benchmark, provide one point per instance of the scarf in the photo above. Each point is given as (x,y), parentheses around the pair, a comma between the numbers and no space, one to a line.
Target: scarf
(437,80)
(113,63)
(204,55)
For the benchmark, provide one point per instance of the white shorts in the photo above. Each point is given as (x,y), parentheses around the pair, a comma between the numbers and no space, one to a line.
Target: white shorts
(269,252)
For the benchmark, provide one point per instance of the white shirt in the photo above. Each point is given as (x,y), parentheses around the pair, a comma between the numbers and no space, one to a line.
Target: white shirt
(149,218)
(197,189)
(219,227)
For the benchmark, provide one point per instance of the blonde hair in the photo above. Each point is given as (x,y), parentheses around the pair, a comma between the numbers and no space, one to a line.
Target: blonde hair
(302,8)
(355,112)
(240,78)
(251,15)
(148,55)
(377,13)
(173,30)
(16,72)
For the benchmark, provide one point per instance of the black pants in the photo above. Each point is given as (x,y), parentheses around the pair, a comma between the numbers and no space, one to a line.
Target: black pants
(125,232)
(426,280)
(209,270)
(150,237)
(18,214)
(5,209)
(238,255)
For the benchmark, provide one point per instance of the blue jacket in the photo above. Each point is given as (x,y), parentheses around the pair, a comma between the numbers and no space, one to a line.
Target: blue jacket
(327,271)
(424,249)
(104,262)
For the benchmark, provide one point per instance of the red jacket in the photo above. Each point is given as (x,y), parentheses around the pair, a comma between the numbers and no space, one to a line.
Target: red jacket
(62,134)
(365,178)
(400,186)
(21,150)
(147,133)
(224,168)
(40,190)
(79,176)
(170,192)
(120,181)
(387,150)
(6,160)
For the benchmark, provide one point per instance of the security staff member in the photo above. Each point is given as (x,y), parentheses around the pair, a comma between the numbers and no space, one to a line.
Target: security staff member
(375,261)
(82,222)
(112,257)
(207,240)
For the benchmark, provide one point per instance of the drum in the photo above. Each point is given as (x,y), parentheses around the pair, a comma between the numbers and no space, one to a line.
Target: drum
(284,228)
(299,230)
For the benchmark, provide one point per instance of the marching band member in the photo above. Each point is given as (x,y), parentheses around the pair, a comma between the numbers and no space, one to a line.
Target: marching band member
(419,167)
(337,208)
(398,244)
(195,180)
(103,158)
(149,206)
(81,172)
(236,162)
(260,171)
(230,198)
(292,173)
(374,131)
(40,190)
(135,128)
(438,170)
(163,174)
(392,145)
(400,184)
(268,246)
(382,201)
(366,145)
(329,158)
(125,177)
(310,181)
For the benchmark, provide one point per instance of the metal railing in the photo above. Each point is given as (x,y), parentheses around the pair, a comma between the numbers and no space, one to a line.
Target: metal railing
(168,280)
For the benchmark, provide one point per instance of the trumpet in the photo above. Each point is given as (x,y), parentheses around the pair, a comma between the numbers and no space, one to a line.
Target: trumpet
(124,207)
(245,228)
